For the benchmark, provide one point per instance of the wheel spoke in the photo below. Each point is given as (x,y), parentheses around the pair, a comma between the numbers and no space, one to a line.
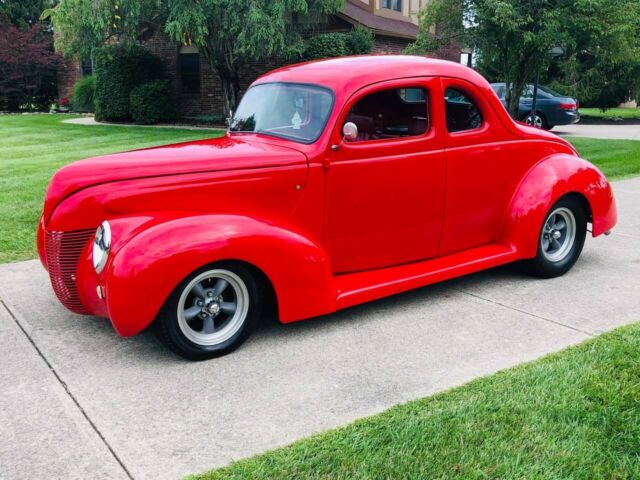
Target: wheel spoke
(220,287)
(198,291)
(207,325)
(545,244)
(228,307)
(560,225)
(555,244)
(191,313)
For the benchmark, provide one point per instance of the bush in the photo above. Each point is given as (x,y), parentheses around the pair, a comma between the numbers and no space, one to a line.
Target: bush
(359,41)
(152,102)
(119,69)
(215,120)
(326,45)
(84,95)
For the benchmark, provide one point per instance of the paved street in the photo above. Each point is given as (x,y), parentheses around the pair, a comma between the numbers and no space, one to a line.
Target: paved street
(80,402)
(621,132)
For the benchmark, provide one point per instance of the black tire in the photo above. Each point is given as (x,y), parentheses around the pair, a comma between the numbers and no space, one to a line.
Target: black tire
(169,323)
(542,266)
(545,123)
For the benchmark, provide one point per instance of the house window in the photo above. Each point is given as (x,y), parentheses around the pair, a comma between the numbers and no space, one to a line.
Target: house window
(189,63)
(86,67)
(392,5)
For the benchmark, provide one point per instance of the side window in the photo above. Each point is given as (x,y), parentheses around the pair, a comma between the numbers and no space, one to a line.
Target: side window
(527,92)
(499,89)
(393,113)
(462,113)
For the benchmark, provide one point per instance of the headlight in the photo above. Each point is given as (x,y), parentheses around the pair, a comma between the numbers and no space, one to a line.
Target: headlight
(101,246)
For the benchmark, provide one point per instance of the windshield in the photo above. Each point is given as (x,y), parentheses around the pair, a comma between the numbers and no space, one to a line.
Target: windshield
(294,111)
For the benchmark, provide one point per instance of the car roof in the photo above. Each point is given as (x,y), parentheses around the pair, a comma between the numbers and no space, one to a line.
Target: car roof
(353,73)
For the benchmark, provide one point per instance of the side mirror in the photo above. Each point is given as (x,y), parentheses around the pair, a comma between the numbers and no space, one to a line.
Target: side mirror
(350,131)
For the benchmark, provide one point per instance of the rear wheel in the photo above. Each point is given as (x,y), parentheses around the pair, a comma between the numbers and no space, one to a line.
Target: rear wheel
(560,240)
(211,312)
(537,120)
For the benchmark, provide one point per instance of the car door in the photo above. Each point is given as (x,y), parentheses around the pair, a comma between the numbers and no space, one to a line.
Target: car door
(484,166)
(385,189)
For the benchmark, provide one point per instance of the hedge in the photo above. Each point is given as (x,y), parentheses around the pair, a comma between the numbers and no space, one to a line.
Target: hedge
(152,102)
(119,69)
(326,45)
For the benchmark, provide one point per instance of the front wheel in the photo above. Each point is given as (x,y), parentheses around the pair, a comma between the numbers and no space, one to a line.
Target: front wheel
(560,240)
(211,312)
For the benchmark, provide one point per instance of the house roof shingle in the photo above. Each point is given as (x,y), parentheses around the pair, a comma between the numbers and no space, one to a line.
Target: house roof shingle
(381,25)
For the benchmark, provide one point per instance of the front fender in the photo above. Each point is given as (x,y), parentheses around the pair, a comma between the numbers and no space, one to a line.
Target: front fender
(542,186)
(144,271)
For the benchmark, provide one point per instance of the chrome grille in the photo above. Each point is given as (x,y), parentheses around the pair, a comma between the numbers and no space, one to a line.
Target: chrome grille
(63,251)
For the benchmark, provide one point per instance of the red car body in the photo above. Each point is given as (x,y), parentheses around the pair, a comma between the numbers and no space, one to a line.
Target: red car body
(330,224)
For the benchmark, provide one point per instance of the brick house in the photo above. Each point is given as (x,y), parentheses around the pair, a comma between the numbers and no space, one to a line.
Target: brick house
(197,87)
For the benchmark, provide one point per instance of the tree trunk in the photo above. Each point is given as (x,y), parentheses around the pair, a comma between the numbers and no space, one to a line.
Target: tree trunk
(514,101)
(230,83)
(227,69)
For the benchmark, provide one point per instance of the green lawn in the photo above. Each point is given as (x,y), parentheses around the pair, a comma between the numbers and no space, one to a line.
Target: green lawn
(572,415)
(612,113)
(33,147)
(616,158)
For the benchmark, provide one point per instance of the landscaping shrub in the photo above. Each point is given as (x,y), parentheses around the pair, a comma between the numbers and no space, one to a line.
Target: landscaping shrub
(152,102)
(119,69)
(215,120)
(84,94)
(326,45)
(359,41)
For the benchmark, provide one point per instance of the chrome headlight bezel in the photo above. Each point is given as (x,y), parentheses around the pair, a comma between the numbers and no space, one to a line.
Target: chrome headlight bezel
(101,246)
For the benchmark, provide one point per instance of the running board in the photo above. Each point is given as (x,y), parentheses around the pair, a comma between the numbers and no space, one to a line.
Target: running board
(360,287)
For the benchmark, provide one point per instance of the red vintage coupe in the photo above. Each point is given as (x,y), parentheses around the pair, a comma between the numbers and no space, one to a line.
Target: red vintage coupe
(338,182)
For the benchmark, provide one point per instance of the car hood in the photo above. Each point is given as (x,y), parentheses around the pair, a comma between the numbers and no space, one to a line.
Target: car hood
(214,155)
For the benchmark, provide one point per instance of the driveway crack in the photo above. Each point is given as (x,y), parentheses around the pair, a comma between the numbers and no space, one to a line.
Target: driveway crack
(565,325)
(66,389)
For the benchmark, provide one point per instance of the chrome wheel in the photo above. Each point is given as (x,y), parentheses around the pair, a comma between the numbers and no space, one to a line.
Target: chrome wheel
(558,234)
(213,307)
(534,121)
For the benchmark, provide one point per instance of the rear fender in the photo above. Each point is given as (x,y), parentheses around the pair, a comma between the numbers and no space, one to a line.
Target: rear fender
(144,271)
(544,184)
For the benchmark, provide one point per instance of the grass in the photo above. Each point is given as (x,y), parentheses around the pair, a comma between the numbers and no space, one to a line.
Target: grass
(33,147)
(616,158)
(571,415)
(611,113)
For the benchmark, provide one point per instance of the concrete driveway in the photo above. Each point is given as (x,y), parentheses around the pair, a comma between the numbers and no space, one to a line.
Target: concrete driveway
(612,131)
(79,402)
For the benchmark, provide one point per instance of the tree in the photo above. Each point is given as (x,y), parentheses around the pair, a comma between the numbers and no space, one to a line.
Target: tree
(23,13)
(229,33)
(27,66)
(601,65)
(512,37)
